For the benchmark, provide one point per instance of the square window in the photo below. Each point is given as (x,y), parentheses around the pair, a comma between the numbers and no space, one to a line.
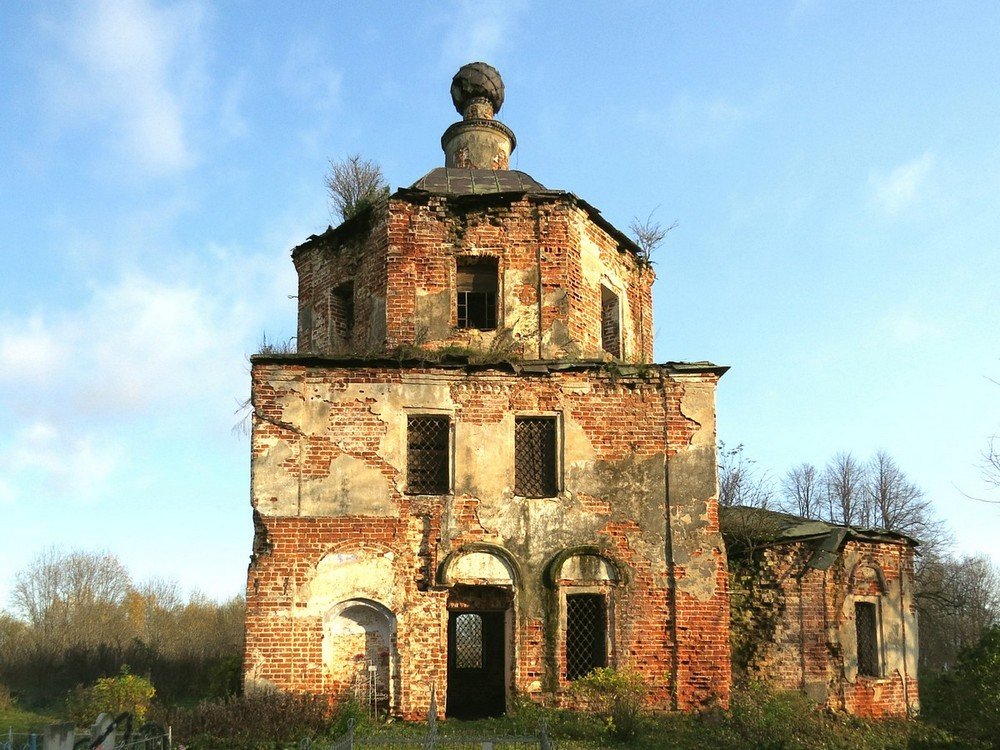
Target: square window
(477,293)
(427,449)
(586,634)
(535,460)
(866,623)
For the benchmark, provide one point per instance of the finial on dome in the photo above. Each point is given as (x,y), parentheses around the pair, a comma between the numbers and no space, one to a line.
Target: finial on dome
(478,141)
(476,84)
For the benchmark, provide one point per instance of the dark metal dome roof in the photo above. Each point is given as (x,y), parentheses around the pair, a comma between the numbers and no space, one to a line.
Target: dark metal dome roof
(477,80)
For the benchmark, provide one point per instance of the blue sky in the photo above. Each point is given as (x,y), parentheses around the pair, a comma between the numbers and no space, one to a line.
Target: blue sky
(834,169)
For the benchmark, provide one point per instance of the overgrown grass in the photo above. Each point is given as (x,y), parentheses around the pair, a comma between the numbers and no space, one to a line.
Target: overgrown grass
(21,721)
(757,720)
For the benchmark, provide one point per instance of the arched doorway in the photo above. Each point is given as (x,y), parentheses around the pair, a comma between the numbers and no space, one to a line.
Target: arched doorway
(359,652)
(481,602)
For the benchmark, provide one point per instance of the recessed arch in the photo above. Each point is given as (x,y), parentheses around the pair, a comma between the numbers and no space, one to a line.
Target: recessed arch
(584,563)
(480,564)
(867,579)
(359,652)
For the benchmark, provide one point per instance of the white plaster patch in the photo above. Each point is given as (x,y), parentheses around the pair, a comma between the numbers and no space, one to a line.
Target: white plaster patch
(352,488)
(584,568)
(308,409)
(275,487)
(481,567)
(350,575)
(698,405)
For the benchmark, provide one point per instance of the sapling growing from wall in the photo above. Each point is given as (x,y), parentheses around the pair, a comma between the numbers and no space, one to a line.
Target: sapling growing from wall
(354,184)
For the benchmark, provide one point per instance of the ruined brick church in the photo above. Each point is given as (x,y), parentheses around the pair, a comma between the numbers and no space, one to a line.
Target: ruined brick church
(471,479)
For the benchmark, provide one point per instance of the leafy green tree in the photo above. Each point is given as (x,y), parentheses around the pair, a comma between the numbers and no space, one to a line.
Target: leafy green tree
(111,695)
(967,699)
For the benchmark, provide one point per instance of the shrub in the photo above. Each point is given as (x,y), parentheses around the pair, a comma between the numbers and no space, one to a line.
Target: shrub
(617,694)
(112,695)
(6,699)
(257,720)
(966,701)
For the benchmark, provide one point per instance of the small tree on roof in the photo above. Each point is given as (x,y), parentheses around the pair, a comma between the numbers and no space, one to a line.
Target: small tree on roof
(354,184)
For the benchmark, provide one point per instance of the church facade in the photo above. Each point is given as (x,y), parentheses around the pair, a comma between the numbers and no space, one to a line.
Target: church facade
(470,480)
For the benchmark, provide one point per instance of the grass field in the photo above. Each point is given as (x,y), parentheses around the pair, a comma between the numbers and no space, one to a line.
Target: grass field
(22,722)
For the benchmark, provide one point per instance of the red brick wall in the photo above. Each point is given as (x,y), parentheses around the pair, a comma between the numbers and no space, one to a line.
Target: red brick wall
(620,430)
(813,644)
(406,249)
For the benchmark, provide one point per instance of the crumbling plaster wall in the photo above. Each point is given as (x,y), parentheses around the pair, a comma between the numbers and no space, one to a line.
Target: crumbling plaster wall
(354,252)
(329,480)
(813,645)
(552,262)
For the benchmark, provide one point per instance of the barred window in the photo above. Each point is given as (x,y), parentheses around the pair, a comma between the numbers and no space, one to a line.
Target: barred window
(535,456)
(866,623)
(342,311)
(427,455)
(477,293)
(469,642)
(611,339)
(586,634)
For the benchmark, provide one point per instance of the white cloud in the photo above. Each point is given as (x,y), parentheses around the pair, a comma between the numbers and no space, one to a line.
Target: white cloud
(49,464)
(903,327)
(128,66)
(309,76)
(29,351)
(477,30)
(80,388)
(900,188)
(699,122)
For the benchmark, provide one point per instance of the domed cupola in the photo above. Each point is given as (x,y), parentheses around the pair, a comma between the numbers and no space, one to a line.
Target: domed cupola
(478,141)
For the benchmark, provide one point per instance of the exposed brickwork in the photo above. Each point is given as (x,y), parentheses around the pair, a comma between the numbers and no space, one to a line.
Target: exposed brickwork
(401,257)
(616,434)
(813,643)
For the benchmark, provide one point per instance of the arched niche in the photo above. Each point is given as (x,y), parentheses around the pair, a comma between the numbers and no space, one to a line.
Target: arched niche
(479,565)
(351,574)
(583,565)
(359,652)
(867,579)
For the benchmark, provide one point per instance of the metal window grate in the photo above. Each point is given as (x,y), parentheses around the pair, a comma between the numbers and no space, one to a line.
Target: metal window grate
(427,455)
(469,642)
(586,634)
(611,339)
(866,622)
(535,456)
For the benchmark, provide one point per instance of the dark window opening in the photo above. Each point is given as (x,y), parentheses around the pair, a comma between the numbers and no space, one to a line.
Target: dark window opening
(477,293)
(586,634)
(469,642)
(535,456)
(427,455)
(866,622)
(611,339)
(342,310)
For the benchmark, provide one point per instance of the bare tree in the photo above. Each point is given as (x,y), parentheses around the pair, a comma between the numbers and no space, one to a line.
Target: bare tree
(801,486)
(991,464)
(354,184)
(843,481)
(959,599)
(897,504)
(649,234)
(740,481)
(74,597)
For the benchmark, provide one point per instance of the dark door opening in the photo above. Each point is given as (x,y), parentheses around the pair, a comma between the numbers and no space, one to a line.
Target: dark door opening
(477,656)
